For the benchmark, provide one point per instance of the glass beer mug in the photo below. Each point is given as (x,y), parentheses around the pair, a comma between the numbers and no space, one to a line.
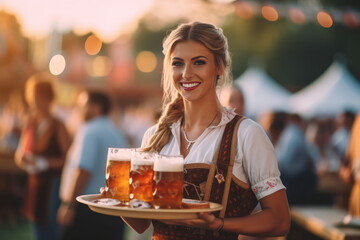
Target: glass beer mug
(168,181)
(141,176)
(118,173)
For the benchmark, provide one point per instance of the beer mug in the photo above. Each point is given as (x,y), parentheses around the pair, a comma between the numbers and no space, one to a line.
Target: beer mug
(168,181)
(141,175)
(118,173)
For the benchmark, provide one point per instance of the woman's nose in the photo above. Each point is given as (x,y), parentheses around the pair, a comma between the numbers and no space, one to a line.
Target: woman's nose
(187,72)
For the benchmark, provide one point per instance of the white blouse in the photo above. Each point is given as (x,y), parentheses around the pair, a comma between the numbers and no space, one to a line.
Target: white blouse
(255,161)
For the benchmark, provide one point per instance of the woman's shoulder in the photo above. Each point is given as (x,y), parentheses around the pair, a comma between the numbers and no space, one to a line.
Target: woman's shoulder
(249,127)
(151,130)
(148,134)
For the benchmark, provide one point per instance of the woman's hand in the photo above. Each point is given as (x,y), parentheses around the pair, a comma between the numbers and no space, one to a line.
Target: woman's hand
(33,164)
(205,220)
(66,215)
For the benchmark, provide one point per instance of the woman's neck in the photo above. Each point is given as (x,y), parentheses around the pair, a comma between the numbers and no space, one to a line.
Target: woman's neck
(201,115)
(41,116)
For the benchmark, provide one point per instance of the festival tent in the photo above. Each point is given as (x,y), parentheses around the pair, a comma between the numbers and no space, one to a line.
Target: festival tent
(261,92)
(334,91)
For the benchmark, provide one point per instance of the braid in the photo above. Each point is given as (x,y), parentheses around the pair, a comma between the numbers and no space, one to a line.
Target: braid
(172,113)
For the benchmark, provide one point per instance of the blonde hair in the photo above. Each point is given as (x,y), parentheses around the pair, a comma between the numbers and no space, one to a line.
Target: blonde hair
(173,107)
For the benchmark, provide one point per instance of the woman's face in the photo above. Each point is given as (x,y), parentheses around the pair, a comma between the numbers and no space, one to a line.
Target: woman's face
(41,102)
(194,71)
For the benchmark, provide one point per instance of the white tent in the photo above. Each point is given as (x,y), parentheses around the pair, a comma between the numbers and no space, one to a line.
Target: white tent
(334,91)
(261,92)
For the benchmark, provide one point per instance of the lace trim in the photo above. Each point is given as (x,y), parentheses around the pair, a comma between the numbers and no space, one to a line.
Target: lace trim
(267,185)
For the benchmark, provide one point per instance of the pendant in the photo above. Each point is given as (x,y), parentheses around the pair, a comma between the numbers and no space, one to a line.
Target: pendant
(220,178)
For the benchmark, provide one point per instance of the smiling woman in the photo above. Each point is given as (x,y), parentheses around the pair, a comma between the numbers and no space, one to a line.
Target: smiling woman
(228,159)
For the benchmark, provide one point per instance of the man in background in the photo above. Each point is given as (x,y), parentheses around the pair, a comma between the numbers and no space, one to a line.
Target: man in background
(84,172)
(232,96)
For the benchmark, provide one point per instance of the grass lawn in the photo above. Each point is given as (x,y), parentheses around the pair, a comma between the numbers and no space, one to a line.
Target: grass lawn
(20,231)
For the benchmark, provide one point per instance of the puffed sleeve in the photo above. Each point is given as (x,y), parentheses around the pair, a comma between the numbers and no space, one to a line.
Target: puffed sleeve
(259,160)
(147,135)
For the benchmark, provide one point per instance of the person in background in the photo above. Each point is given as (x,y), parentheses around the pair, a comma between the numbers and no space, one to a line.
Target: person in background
(41,153)
(318,133)
(340,137)
(350,170)
(296,164)
(192,124)
(12,121)
(274,123)
(84,171)
(232,96)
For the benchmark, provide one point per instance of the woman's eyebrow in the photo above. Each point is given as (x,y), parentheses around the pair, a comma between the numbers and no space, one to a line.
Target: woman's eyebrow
(177,58)
(194,58)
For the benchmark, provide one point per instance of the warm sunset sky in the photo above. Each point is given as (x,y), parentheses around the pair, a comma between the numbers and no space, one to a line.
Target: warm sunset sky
(106,18)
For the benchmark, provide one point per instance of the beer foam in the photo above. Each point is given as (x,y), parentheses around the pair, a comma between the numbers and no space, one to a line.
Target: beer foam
(119,154)
(143,158)
(169,164)
(139,161)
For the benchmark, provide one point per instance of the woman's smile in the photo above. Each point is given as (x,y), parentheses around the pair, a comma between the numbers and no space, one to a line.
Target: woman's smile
(188,86)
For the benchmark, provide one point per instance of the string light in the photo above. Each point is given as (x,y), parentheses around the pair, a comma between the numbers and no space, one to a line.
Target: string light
(324,19)
(350,20)
(244,10)
(270,13)
(299,14)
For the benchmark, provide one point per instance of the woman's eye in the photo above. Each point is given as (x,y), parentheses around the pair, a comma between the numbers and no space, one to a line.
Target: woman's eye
(199,62)
(177,63)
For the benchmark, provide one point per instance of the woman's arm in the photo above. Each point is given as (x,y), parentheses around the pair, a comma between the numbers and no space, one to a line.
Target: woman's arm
(272,221)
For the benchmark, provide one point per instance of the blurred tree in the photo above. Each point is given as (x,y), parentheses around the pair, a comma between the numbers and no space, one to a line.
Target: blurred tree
(302,55)
(293,55)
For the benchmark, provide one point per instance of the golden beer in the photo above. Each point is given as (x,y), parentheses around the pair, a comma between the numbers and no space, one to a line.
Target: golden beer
(168,182)
(141,176)
(118,173)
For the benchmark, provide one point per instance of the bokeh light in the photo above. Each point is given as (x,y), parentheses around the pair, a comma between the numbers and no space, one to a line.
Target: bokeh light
(57,64)
(93,45)
(297,16)
(244,10)
(146,61)
(99,66)
(270,13)
(350,20)
(324,19)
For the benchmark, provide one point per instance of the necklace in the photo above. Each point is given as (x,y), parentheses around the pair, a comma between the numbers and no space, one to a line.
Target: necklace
(189,142)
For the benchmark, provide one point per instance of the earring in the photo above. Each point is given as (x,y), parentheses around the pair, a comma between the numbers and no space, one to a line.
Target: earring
(217,79)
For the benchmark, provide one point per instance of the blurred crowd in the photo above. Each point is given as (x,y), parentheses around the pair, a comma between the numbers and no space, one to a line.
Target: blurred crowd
(43,137)
(313,154)
(58,153)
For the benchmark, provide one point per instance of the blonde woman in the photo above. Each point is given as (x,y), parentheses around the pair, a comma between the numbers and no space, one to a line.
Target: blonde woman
(195,125)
